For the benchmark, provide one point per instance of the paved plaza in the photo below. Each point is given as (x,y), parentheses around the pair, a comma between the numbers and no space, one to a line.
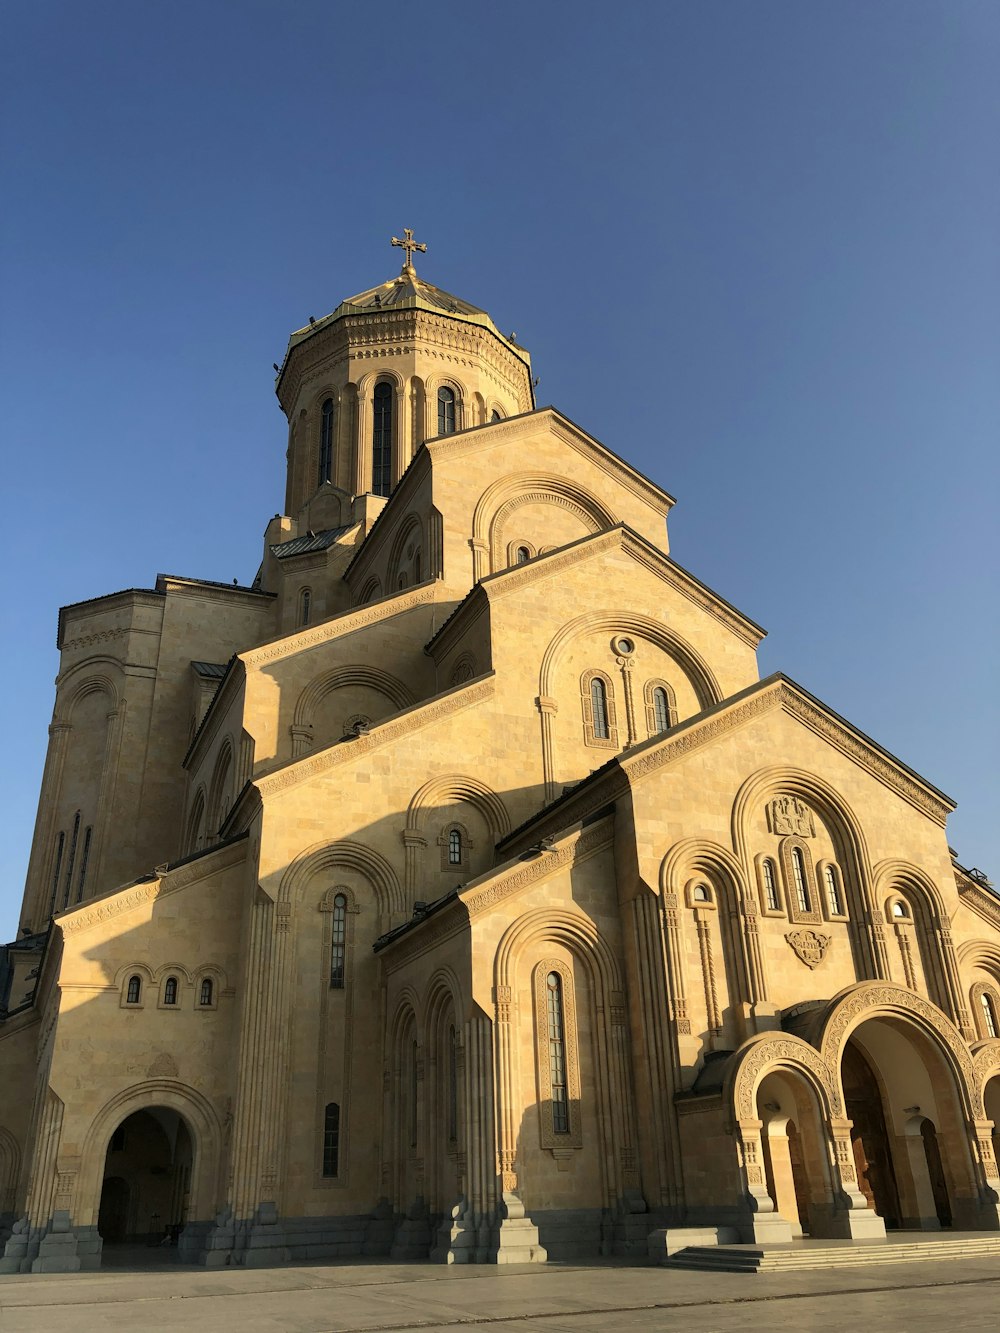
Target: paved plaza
(371,1298)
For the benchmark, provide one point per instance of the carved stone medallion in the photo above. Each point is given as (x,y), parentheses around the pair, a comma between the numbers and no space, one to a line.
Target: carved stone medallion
(809,945)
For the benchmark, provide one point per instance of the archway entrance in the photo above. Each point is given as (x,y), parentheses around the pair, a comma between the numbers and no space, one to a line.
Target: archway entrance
(869,1138)
(147,1180)
(795,1162)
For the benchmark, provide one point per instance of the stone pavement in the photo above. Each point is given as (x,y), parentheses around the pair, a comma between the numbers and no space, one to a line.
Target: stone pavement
(554,1298)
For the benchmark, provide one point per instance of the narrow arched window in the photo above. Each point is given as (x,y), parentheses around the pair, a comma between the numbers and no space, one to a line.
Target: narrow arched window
(416,568)
(382,439)
(84,860)
(599,705)
(170,991)
(799,876)
(834,898)
(454,847)
(72,857)
(134,993)
(770,886)
(899,910)
(305,606)
(701,894)
(57,867)
(446,411)
(338,942)
(557,1054)
(495,416)
(523,555)
(452,1084)
(331,1139)
(326,442)
(989,1015)
(205,994)
(661,709)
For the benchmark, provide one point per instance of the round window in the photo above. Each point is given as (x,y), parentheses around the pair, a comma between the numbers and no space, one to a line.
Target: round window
(622,646)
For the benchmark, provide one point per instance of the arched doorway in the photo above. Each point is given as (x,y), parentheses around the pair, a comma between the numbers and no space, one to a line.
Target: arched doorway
(147,1180)
(869,1137)
(795,1160)
(910,1136)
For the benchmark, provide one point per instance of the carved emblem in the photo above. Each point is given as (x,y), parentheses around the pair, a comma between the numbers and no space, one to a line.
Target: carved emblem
(809,945)
(787,816)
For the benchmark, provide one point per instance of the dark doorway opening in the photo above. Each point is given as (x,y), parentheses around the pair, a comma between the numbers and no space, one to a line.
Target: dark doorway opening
(870,1140)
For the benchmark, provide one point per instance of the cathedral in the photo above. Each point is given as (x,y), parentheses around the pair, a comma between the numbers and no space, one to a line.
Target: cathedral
(456,889)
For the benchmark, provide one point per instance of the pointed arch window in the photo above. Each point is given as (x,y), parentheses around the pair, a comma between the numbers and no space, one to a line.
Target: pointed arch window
(834,894)
(338,942)
(799,878)
(331,1140)
(990,1024)
(134,992)
(382,438)
(326,442)
(206,993)
(446,410)
(170,991)
(769,876)
(557,1054)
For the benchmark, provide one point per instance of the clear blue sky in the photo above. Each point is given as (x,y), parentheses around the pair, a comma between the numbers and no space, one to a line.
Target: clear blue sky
(753,247)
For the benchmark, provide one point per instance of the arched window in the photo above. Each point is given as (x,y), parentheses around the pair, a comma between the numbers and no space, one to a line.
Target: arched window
(134,993)
(60,846)
(382,439)
(834,898)
(452,1084)
(661,709)
(446,411)
(522,555)
(416,568)
(701,894)
(599,705)
(170,991)
(205,994)
(990,1025)
(326,442)
(305,605)
(899,910)
(72,858)
(401,582)
(454,847)
(799,877)
(495,416)
(770,879)
(338,942)
(84,859)
(331,1140)
(557,1054)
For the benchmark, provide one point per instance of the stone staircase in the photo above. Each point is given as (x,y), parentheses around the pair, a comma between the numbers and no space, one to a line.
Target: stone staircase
(814,1254)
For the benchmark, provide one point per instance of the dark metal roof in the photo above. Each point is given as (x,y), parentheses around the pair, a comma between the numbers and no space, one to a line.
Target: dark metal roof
(210,670)
(312,541)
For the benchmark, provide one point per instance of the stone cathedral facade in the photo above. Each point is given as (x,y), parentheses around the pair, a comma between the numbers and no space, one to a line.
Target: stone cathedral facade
(456,889)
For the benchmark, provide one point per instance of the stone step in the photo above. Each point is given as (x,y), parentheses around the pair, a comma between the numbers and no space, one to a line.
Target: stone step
(754,1259)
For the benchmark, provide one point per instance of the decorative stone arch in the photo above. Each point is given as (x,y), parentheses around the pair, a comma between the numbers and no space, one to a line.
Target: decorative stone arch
(370,592)
(206,1138)
(894,874)
(92,684)
(697,858)
(221,778)
(986,1064)
(767,1052)
(366,383)
(865,931)
(147,985)
(209,972)
(329,856)
(10,1169)
(464,669)
(612,1086)
(194,835)
(500,499)
(443,989)
(368,677)
(694,666)
(457,787)
(409,529)
(882,999)
(445,380)
(931,924)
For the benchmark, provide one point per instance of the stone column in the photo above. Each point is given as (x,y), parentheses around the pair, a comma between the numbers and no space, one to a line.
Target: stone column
(761,1222)
(852,1217)
(514,1238)
(547,709)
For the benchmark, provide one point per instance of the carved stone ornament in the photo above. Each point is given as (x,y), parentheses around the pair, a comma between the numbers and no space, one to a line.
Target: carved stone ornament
(787,816)
(809,945)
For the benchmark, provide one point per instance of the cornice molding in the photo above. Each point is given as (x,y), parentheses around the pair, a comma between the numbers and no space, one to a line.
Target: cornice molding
(982,901)
(348,623)
(413,719)
(137,895)
(574,848)
(780,693)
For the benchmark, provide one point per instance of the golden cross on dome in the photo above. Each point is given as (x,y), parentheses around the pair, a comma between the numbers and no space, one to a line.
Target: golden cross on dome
(409,245)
